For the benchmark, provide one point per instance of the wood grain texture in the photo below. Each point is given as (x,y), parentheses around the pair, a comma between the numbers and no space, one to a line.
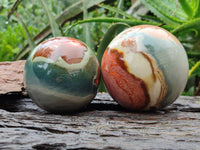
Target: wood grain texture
(11,76)
(102,125)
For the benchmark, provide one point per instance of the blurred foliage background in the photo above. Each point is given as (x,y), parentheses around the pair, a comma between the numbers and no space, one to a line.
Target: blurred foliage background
(23,22)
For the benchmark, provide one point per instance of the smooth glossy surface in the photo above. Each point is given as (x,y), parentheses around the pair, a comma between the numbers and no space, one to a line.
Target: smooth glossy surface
(145,67)
(62,75)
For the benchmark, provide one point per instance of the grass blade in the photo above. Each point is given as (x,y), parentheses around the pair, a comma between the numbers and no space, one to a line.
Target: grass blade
(194,68)
(123,13)
(188,25)
(130,22)
(29,38)
(13,8)
(120,6)
(54,26)
(86,32)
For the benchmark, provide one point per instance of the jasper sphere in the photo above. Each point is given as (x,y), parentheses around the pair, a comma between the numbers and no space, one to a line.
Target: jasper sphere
(62,75)
(145,67)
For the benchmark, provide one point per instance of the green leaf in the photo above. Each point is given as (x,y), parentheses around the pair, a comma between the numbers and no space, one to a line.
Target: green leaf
(186,7)
(151,18)
(192,54)
(190,7)
(120,6)
(196,8)
(166,10)
(190,92)
(193,24)
(116,10)
(86,32)
(109,35)
(130,22)
(195,67)
(54,26)
(168,27)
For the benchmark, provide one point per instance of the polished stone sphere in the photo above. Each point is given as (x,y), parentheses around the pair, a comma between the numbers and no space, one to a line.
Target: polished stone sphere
(145,67)
(62,75)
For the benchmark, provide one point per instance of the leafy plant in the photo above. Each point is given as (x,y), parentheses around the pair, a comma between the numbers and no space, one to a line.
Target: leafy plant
(181,18)
(70,12)
(10,43)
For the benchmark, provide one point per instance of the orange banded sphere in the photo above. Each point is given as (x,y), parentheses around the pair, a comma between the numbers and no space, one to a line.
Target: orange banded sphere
(145,67)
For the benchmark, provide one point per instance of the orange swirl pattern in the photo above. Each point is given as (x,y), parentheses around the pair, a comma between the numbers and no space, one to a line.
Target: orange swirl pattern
(130,91)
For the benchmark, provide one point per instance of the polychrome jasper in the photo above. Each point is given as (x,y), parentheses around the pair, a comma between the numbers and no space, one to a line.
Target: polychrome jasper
(145,67)
(62,75)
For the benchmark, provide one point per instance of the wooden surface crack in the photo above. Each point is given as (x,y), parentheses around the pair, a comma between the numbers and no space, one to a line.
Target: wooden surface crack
(102,125)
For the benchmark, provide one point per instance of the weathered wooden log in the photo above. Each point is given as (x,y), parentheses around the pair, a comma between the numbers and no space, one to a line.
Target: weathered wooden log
(11,77)
(102,125)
